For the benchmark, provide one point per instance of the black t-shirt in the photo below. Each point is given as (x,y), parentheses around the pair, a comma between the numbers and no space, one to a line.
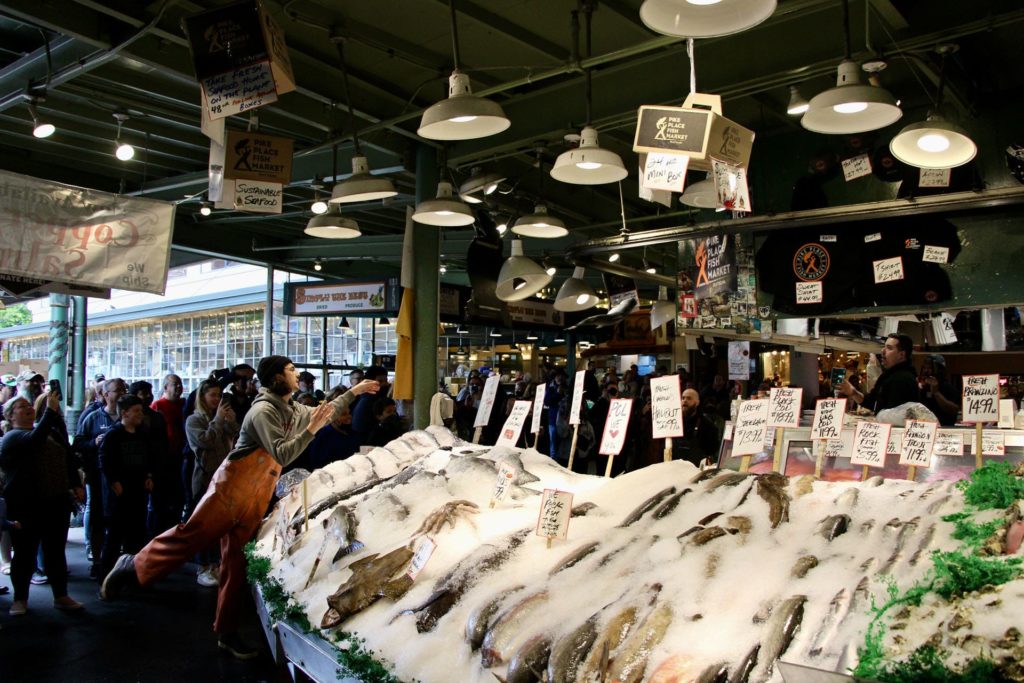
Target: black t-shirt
(821,263)
(904,244)
(927,398)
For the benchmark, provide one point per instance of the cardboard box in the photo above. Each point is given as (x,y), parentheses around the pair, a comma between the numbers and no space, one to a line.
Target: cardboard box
(697,130)
(255,156)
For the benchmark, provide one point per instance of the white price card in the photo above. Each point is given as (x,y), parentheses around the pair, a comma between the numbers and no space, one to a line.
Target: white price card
(727,432)
(665,171)
(666,407)
(483,413)
(888,270)
(869,443)
(421,552)
(980,401)
(513,427)
(828,418)
(1007,407)
(751,427)
(577,398)
(784,407)
(614,436)
(948,442)
(993,442)
(895,442)
(555,510)
(873,237)
(934,177)
(933,254)
(503,483)
(538,407)
(856,167)
(918,440)
(838,448)
(809,292)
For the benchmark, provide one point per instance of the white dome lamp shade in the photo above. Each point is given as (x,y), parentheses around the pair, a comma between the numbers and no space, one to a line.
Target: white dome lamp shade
(361,186)
(332,225)
(662,311)
(444,211)
(540,224)
(934,143)
(575,294)
(479,185)
(701,195)
(704,18)
(463,115)
(851,106)
(589,164)
(520,277)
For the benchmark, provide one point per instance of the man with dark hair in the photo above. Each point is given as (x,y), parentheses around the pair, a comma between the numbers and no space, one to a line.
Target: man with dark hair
(241,391)
(898,382)
(364,422)
(154,430)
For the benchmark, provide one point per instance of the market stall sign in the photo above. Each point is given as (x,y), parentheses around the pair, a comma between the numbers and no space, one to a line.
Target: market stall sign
(784,407)
(513,426)
(555,510)
(81,237)
(751,427)
(339,298)
(666,407)
(870,440)
(577,398)
(615,427)
(538,407)
(255,156)
(980,398)
(697,130)
(483,413)
(918,440)
(534,313)
(503,483)
(828,418)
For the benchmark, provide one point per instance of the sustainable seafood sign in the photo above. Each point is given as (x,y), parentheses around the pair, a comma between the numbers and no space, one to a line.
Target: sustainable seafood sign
(666,407)
(981,398)
(60,233)
(348,298)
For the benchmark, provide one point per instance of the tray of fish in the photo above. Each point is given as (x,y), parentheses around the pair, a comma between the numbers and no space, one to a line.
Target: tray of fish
(667,573)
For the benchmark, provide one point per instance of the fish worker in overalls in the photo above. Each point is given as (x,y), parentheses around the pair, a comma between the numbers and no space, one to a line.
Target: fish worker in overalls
(276,430)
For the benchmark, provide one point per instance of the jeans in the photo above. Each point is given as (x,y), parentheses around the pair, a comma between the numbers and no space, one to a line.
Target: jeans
(46,528)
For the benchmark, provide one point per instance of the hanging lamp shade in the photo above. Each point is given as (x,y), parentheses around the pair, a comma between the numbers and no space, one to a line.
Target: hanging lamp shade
(851,106)
(575,294)
(479,185)
(520,277)
(662,311)
(933,143)
(701,195)
(704,18)
(444,211)
(588,164)
(361,186)
(332,225)
(463,115)
(797,104)
(540,224)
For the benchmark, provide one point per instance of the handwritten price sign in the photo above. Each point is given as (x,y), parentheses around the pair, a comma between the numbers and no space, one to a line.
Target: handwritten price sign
(949,442)
(514,424)
(828,418)
(665,171)
(423,550)
(918,440)
(666,407)
(888,270)
(577,398)
(784,407)
(751,428)
(869,444)
(233,92)
(483,413)
(614,436)
(980,398)
(553,520)
(993,442)
(538,407)
(503,484)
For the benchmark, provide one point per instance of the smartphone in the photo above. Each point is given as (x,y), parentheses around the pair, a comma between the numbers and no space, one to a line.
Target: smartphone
(838,375)
(55,388)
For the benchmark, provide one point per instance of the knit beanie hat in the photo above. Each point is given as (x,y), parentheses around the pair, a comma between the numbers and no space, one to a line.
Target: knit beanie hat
(269,367)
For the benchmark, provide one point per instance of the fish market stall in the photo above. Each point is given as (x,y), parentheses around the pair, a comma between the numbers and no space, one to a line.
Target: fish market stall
(443,561)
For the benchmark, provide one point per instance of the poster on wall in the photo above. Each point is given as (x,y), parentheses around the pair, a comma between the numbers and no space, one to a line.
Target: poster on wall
(739,360)
(716,285)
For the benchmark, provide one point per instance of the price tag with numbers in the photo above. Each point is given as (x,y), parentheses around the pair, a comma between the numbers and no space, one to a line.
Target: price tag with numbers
(422,551)
(980,398)
(751,427)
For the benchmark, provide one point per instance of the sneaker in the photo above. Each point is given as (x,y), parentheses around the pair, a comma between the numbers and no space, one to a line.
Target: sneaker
(39,578)
(236,647)
(120,576)
(18,608)
(68,604)
(206,578)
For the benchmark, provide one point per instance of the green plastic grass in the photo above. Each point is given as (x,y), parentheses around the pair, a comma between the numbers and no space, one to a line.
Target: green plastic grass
(994,486)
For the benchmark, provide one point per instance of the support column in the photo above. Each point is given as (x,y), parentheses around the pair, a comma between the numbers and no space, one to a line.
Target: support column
(77,390)
(268,314)
(803,372)
(58,349)
(425,275)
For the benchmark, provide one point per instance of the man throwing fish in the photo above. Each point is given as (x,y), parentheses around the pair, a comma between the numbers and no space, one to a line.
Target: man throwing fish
(275,431)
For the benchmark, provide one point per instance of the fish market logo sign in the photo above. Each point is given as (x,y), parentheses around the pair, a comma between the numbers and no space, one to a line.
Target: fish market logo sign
(670,129)
(811,262)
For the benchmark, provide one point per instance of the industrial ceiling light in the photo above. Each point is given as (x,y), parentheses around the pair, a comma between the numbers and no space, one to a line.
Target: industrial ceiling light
(384,321)
(318,206)
(520,277)
(648,268)
(502,227)
(463,115)
(797,104)
(494,332)
(532,336)
(549,267)
(332,225)
(479,185)
(122,150)
(442,269)
(461,330)
(614,257)
(344,324)
(704,18)
(205,209)
(851,106)
(317,265)
(701,195)
(443,211)
(40,128)
(540,224)
(575,294)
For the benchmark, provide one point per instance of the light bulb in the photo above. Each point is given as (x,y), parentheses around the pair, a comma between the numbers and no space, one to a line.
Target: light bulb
(445,213)
(582,299)
(491,188)
(463,119)
(205,210)
(319,207)
(703,2)
(124,151)
(651,269)
(613,258)
(44,130)
(933,142)
(442,270)
(588,165)
(850,107)
(502,227)
(317,266)
(470,199)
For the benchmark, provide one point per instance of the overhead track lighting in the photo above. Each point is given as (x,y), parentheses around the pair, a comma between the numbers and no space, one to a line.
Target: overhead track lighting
(704,18)
(463,115)
(797,104)
(443,211)
(122,150)
(40,128)
(575,294)
(520,277)
(479,185)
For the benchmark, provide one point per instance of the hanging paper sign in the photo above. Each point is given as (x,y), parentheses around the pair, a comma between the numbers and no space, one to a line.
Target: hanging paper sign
(784,407)
(513,427)
(739,360)
(555,509)
(809,292)
(1007,407)
(256,196)
(538,407)
(980,401)
(888,270)
(666,407)
(933,254)
(751,427)
(503,483)
(665,171)
(234,92)
(948,442)
(483,413)
(614,436)
(934,177)
(869,443)
(918,440)
(828,418)
(731,186)
(856,167)
(255,156)
(993,442)
(895,442)
(423,549)
(577,398)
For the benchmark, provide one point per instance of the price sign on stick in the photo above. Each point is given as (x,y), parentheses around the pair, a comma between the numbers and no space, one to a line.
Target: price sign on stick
(784,407)
(869,444)
(538,408)
(553,520)
(577,398)
(751,427)
(918,440)
(503,484)
(993,442)
(666,407)
(949,442)
(614,436)
(828,418)
(483,413)
(422,551)
(980,398)
(514,424)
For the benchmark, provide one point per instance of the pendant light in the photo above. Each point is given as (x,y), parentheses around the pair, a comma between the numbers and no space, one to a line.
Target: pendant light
(701,195)
(40,128)
(331,224)
(318,206)
(851,106)
(444,211)
(575,294)
(663,310)
(520,277)
(122,150)
(934,142)
(704,18)
(463,115)
(797,104)
(588,164)
(479,185)
(361,186)
(539,223)
(343,325)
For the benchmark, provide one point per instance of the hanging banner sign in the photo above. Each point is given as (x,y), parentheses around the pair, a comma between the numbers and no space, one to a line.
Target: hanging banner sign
(784,407)
(664,172)
(514,424)
(534,312)
(339,298)
(828,418)
(666,407)
(538,407)
(60,233)
(614,436)
(483,413)
(577,398)
(980,398)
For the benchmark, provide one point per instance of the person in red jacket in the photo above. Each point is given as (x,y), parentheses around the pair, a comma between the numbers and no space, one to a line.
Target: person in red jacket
(169,494)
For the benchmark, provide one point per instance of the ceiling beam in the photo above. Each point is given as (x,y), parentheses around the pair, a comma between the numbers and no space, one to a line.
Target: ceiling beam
(510,30)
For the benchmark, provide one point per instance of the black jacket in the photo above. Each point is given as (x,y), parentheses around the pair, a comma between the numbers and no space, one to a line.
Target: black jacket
(699,440)
(895,386)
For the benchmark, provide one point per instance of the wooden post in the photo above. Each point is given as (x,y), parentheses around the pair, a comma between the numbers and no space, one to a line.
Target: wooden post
(745,463)
(911,472)
(572,448)
(668,450)
(608,469)
(864,473)
(536,438)
(777,456)
(476,434)
(549,543)
(978,462)
(819,461)
(305,505)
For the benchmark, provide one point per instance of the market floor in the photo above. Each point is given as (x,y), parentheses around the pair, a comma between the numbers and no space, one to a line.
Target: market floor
(162,634)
